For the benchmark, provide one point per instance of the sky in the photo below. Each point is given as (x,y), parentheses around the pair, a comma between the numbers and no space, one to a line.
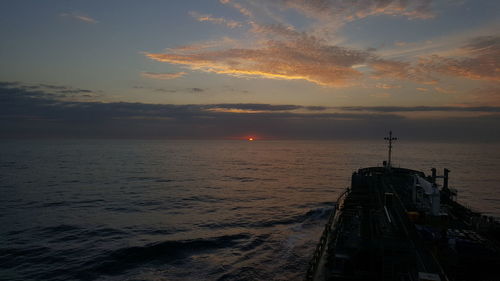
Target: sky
(231,69)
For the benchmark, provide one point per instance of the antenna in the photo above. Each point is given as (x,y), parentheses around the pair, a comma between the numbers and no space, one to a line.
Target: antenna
(390,139)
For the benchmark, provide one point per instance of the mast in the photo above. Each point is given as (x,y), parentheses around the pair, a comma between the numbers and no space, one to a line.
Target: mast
(390,139)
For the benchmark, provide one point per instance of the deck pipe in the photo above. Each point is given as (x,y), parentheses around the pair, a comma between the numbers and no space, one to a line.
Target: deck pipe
(445,178)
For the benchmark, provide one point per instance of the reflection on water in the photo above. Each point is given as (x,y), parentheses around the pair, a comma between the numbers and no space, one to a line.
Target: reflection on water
(191,210)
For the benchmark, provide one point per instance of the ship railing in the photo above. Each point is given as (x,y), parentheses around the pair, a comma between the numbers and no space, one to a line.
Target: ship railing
(473,217)
(318,252)
(411,231)
(468,206)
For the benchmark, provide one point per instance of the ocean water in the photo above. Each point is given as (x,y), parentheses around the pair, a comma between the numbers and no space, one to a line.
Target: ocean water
(194,210)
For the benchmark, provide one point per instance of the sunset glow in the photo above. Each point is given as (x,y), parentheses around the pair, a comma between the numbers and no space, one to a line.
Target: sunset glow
(218,69)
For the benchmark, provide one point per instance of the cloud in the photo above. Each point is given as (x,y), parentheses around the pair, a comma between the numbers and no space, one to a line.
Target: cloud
(22,102)
(300,57)
(326,17)
(209,18)
(53,91)
(212,44)
(161,90)
(395,109)
(387,86)
(422,89)
(34,113)
(280,51)
(479,59)
(273,30)
(5,84)
(244,11)
(400,70)
(352,10)
(488,95)
(79,17)
(197,90)
(162,76)
(444,90)
(390,69)
(261,107)
(172,91)
(257,107)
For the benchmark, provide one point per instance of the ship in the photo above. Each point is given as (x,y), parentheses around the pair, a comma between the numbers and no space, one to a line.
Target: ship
(399,224)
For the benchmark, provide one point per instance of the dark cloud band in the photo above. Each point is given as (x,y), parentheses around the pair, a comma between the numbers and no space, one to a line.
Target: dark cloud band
(37,113)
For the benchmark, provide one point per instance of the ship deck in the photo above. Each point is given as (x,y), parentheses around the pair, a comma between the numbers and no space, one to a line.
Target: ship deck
(371,236)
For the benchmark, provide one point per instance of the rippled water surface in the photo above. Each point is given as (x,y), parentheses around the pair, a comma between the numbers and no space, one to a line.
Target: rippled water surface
(194,210)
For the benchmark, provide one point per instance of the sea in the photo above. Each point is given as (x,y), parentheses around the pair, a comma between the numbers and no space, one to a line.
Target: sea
(196,209)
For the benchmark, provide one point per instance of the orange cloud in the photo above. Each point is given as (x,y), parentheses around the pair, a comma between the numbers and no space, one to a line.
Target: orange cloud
(422,89)
(390,69)
(285,53)
(244,11)
(304,58)
(235,110)
(478,60)
(162,76)
(214,44)
(352,10)
(279,51)
(444,91)
(210,18)
(275,30)
(387,86)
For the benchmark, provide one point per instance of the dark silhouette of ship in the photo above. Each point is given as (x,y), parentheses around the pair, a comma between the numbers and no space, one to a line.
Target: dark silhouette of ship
(399,224)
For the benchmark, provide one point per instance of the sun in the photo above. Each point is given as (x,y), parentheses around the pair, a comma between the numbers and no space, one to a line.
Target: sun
(250,139)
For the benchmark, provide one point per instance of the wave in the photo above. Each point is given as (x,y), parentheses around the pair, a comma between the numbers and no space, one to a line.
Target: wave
(247,179)
(121,260)
(311,217)
(148,179)
(81,203)
(319,213)
(259,240)
(51,230)
(245,273)
(55,204)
